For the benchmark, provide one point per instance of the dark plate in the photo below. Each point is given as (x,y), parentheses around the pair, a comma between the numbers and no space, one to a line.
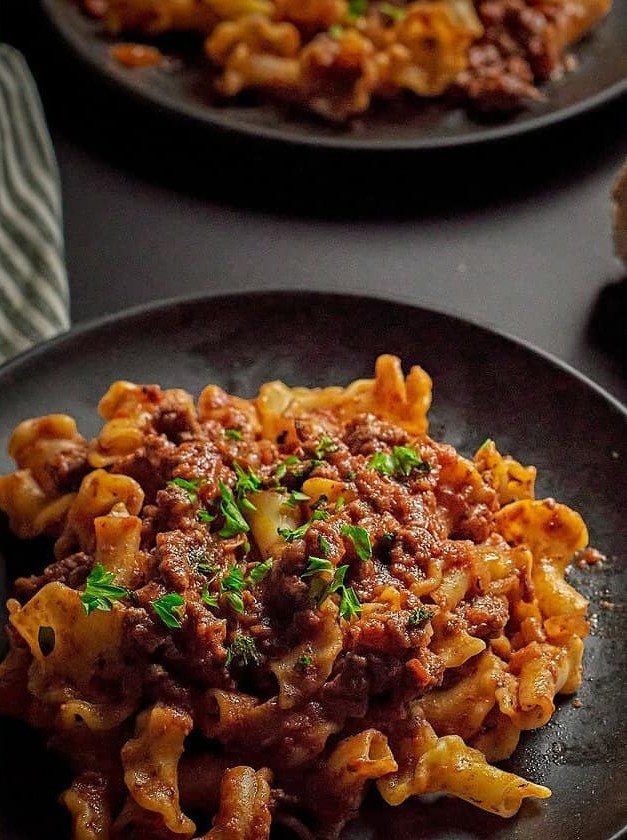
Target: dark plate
(485,385)
(184,92)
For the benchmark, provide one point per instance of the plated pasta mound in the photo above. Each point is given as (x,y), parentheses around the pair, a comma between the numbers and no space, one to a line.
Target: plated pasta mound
(337,57)
(260,609)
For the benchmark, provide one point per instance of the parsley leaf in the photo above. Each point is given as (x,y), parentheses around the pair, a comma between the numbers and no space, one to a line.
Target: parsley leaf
(242,651)
(259,571)
(360,540)
(168,608)
(281,469)
(233,583)
(349,603)
(317,565)
(336,30)
(234,522)
(356,9)
(419,616)
(299,533)
(233,434)
(324,544)
(303,662)
(325,446)
(190,486)
(100,591)
(401,461)
(204,516)
(207,598)
(295,498)
(392,11)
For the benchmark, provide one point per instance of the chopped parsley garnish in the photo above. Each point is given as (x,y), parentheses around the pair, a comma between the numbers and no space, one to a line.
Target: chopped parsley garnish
(317,565)
(360,540)
(207,598)
(233,583)
(339,503)
(259,571)
(295,498)
(323,542)
(335,30)
(281,470)
(100,591)
(486,443)
(207,569)
(242,651)
(169,609)
(247,482)
(392,11)
(320,502)
(190,486)
(356,9)
(388,536)
(303,662)
(234,522)
(299,533)
(401,461)
(325,446)
(349,603)
(46,639)
(351,474)
(233,434)
(204,516)
(419,616)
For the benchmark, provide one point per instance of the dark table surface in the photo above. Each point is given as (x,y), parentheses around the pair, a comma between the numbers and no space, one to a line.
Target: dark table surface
(515,236)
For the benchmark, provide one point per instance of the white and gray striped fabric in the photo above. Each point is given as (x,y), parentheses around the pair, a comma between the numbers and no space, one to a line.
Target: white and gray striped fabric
(34,298)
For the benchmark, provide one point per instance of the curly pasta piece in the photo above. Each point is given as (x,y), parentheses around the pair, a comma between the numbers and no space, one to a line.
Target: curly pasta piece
(31,512)
(508,477)
(449,766)
(150,761)
(99,492)
(244,812)
(153,17)
(86,801)
(118,535)
(84,646)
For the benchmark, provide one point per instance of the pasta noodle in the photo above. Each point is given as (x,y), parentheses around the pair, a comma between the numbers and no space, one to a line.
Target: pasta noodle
(337,58)
(257,610)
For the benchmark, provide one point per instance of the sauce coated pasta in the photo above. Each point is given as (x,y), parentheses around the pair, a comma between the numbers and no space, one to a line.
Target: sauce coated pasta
(336,58)
(260,609)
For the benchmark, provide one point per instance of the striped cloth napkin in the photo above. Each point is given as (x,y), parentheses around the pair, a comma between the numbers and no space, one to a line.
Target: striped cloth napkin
(34,298)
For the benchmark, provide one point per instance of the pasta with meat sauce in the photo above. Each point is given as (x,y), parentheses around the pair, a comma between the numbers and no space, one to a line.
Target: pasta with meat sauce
(336,58)
(260,609)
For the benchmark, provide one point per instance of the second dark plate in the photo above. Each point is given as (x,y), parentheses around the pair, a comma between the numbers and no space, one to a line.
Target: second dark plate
(184,93)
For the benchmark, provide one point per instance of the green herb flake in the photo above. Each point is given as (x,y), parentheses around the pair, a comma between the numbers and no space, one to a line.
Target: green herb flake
(486,443)
(204,516)
(339,504)
(207,569)
(360,540)
(419,616)
(207,598)
(320,515)
(242,651)
(403,460)
(169,609)
(190,486)
(388,536)
(357,9)
(46,639)
(349,603)
(325,446)
(295,498)
(320,502)
(393,12)
(303,662)
(100,591)
(317,565)
(233,580)
(259,571)
(324,544)
(351,475)
(233,434)
(408,459)
(296,534)
(234,522)
(383,463)
(236,601)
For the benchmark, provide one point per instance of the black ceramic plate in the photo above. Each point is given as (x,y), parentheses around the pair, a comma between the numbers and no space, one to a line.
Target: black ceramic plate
(485,385)
(184,92)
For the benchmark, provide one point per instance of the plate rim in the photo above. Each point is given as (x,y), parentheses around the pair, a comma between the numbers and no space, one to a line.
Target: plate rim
(213,118)
(8,368)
